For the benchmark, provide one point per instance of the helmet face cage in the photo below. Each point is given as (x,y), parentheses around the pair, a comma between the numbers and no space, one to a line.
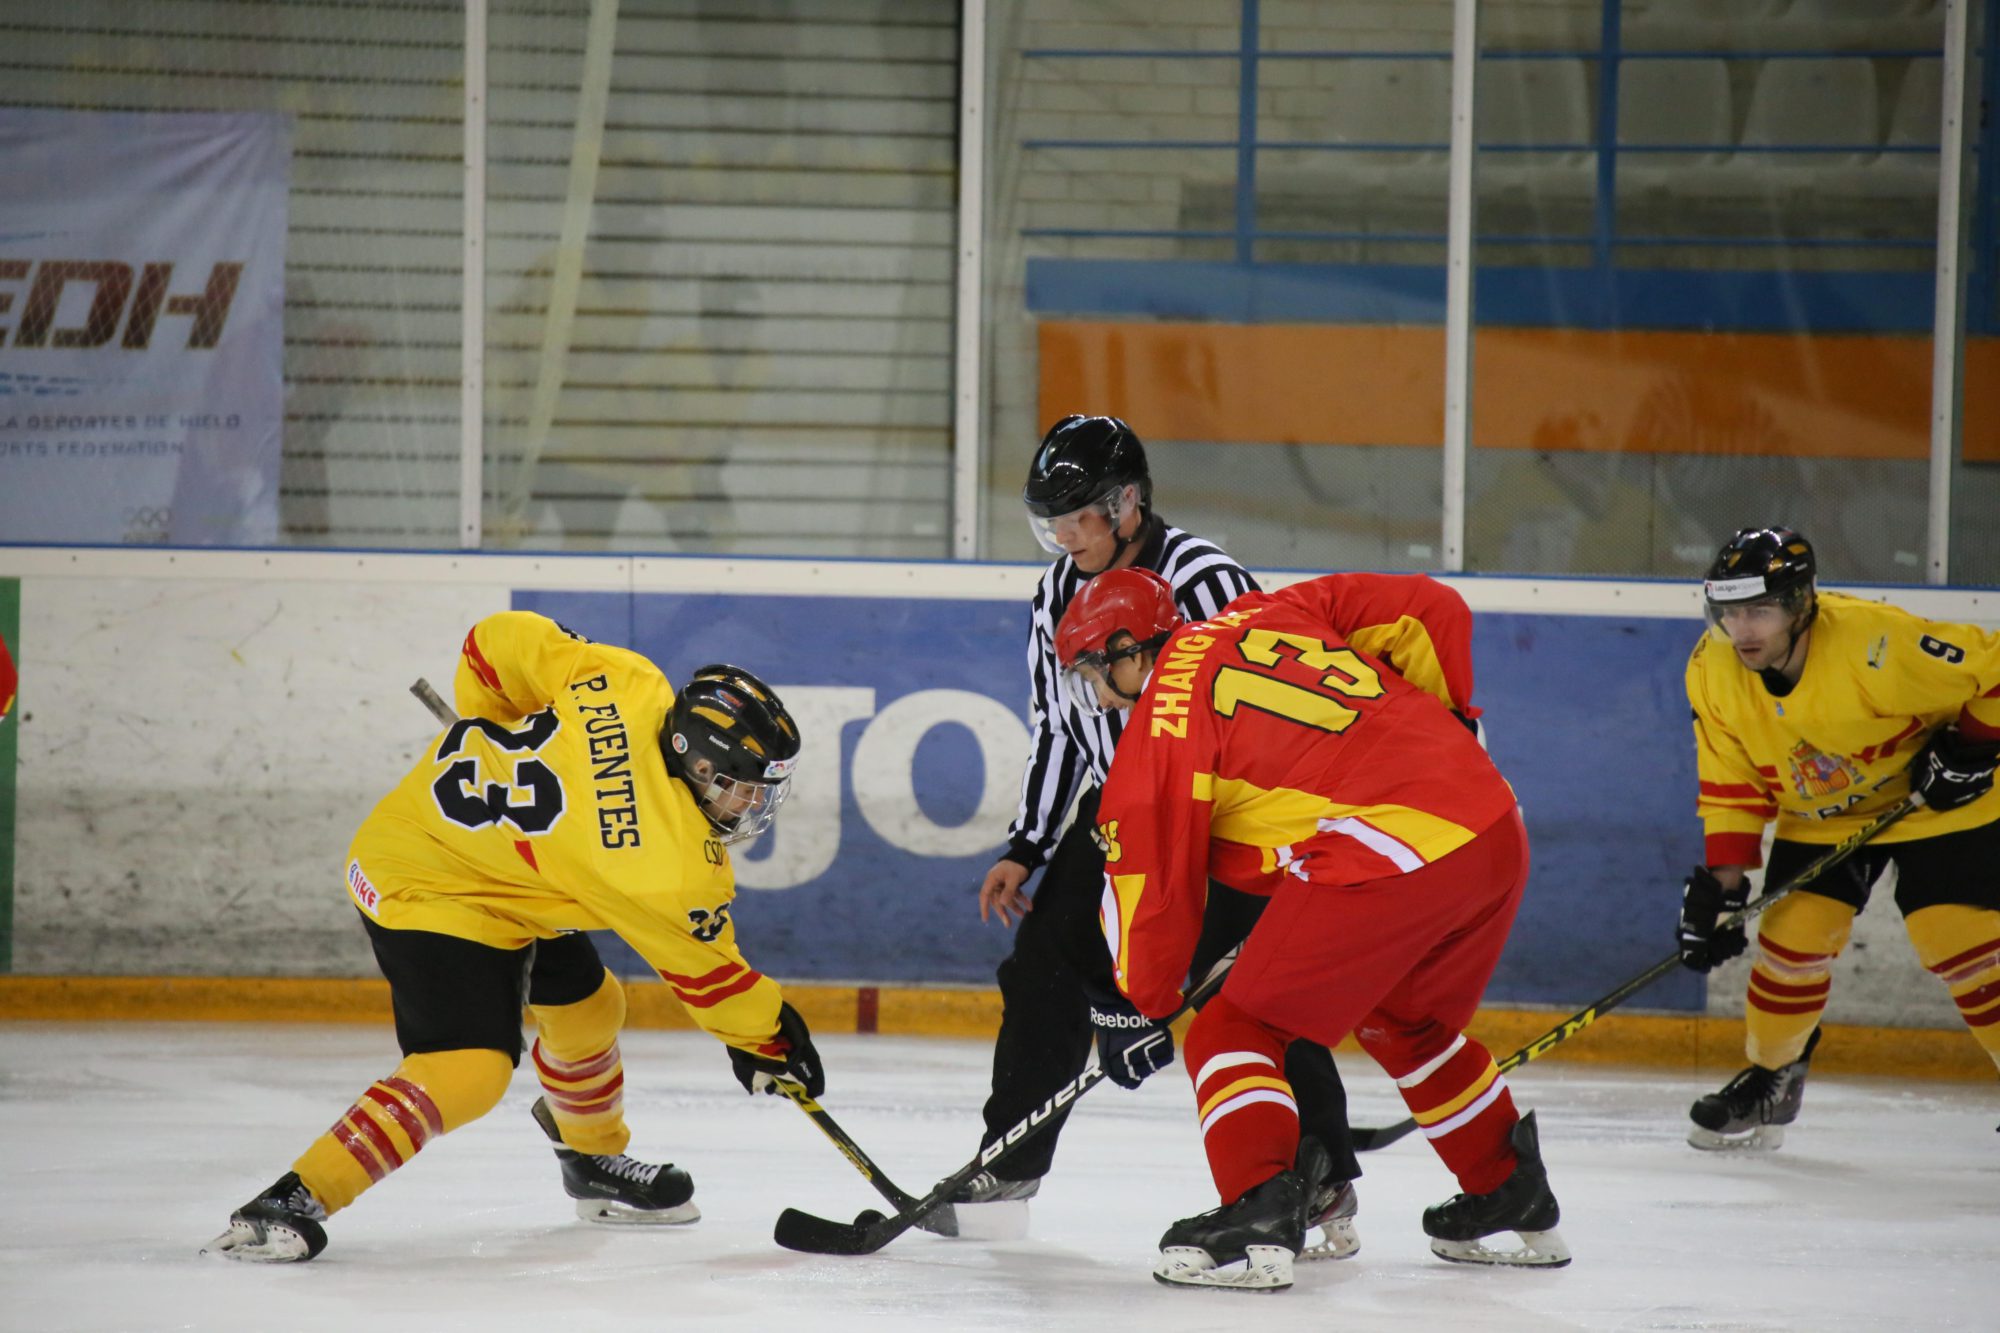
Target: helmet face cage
(737,808)
(735,747)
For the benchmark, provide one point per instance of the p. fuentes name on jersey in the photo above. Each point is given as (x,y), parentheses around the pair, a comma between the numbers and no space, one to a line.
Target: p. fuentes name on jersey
(610,770)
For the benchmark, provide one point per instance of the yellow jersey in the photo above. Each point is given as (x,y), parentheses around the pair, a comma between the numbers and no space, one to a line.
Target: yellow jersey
(1829,756)
(548,808)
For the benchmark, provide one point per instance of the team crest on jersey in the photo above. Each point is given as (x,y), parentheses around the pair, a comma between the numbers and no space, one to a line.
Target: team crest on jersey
(1815,774)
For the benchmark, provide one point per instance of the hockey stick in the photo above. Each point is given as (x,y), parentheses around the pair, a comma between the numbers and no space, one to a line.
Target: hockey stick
(1367,1140)
(432,700)
(944,1222)
(870,1231)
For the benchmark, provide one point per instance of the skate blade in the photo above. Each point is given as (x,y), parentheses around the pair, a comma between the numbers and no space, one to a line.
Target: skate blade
(1003,1219)
(1539,1249)
(1265,1268)
(1339,1240)
(259,1243)
(1764,1138)
(605,1213)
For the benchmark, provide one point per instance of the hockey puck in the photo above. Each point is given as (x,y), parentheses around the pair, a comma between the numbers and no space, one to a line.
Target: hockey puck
(868,1217)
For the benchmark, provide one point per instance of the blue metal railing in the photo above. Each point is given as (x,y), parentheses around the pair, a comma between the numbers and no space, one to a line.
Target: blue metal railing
(1604,239)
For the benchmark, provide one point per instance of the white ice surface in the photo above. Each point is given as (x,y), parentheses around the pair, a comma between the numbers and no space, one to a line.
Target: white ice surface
(124,1147)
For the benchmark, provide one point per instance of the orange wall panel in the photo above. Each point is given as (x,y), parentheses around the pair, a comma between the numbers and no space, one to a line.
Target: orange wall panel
(1823,396)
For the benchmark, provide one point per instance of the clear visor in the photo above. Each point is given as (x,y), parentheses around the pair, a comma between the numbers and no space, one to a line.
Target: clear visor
(1050,532)
(1080,679)
(740,809)
(1757,619)
(1080,683)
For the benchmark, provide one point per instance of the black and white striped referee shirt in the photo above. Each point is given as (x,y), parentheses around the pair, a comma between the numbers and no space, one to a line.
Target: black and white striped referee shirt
(1071,746)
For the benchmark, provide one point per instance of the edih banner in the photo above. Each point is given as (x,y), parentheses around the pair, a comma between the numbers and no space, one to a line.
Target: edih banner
(141,326)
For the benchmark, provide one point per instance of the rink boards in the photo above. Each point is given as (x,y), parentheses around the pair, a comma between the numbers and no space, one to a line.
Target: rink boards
(200,733)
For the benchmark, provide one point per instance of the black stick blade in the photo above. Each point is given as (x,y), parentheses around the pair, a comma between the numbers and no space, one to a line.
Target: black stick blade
(1368,1140)
(819,1235)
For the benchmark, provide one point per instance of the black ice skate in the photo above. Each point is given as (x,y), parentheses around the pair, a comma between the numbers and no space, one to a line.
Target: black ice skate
(1332,1207)
(1523,1205)
(617,1190)
(1752,1110)
(989,1208)
(279,1226)
(1264,1231)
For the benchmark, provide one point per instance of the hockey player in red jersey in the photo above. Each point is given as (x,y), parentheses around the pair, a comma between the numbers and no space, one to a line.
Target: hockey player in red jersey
(1303,745)
(8,681)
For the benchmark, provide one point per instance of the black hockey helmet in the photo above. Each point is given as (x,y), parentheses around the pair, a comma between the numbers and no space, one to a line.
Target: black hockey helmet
(734,745)
(1081,460)
(1762,565)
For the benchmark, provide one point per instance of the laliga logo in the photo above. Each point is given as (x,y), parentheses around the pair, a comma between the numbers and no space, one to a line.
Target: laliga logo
(800,847)
(108,304)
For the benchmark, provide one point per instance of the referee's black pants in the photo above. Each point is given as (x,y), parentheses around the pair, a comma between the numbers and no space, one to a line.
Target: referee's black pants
(1045,1034)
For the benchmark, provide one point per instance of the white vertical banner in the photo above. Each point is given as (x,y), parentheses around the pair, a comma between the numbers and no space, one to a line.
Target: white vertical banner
(142,293)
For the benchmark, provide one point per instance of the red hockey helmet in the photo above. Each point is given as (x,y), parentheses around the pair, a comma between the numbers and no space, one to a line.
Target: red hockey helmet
(1131,602)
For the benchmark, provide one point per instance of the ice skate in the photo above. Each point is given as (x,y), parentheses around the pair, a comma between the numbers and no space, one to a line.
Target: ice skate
(1263,1231)
(279,1226)
(616,1190)
(989,1208)
(1752,1110)
(1523,1205)
(1332,1207)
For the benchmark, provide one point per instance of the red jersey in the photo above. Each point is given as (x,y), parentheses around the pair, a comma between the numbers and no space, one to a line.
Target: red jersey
(1304,733)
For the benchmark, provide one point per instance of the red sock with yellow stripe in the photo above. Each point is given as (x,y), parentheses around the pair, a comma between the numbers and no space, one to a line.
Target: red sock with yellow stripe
(1462,1104)
(1961,947)
(1792,976)
(575,1055)
(1249,1120)
(390,1122)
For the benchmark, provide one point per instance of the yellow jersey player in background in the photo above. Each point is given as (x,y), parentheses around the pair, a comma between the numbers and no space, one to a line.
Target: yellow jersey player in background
(577,792)
(1820,711)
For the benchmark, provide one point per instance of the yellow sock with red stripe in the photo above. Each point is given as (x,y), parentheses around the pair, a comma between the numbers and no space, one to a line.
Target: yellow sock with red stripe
(1961,947)
(1792,976)
(1465,1109)
(1249,1119)
(390,1122)
(576,1057)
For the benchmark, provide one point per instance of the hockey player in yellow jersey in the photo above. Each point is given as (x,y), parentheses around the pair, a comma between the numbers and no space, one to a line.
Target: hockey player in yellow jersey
(1819,711)
(577,792)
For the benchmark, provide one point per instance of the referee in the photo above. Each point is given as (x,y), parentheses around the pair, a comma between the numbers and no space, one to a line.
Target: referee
(1089,499)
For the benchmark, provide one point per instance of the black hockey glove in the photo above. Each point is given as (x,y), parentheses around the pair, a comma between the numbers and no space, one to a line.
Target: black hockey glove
(1129,1045)
(800,1062)
(1704,902)
(1951,770)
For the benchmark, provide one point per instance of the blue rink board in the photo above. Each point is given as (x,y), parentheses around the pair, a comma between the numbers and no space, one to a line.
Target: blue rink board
(1585,716)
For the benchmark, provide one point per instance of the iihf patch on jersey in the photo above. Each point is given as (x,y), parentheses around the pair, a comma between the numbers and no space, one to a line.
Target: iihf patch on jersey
(361,890)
